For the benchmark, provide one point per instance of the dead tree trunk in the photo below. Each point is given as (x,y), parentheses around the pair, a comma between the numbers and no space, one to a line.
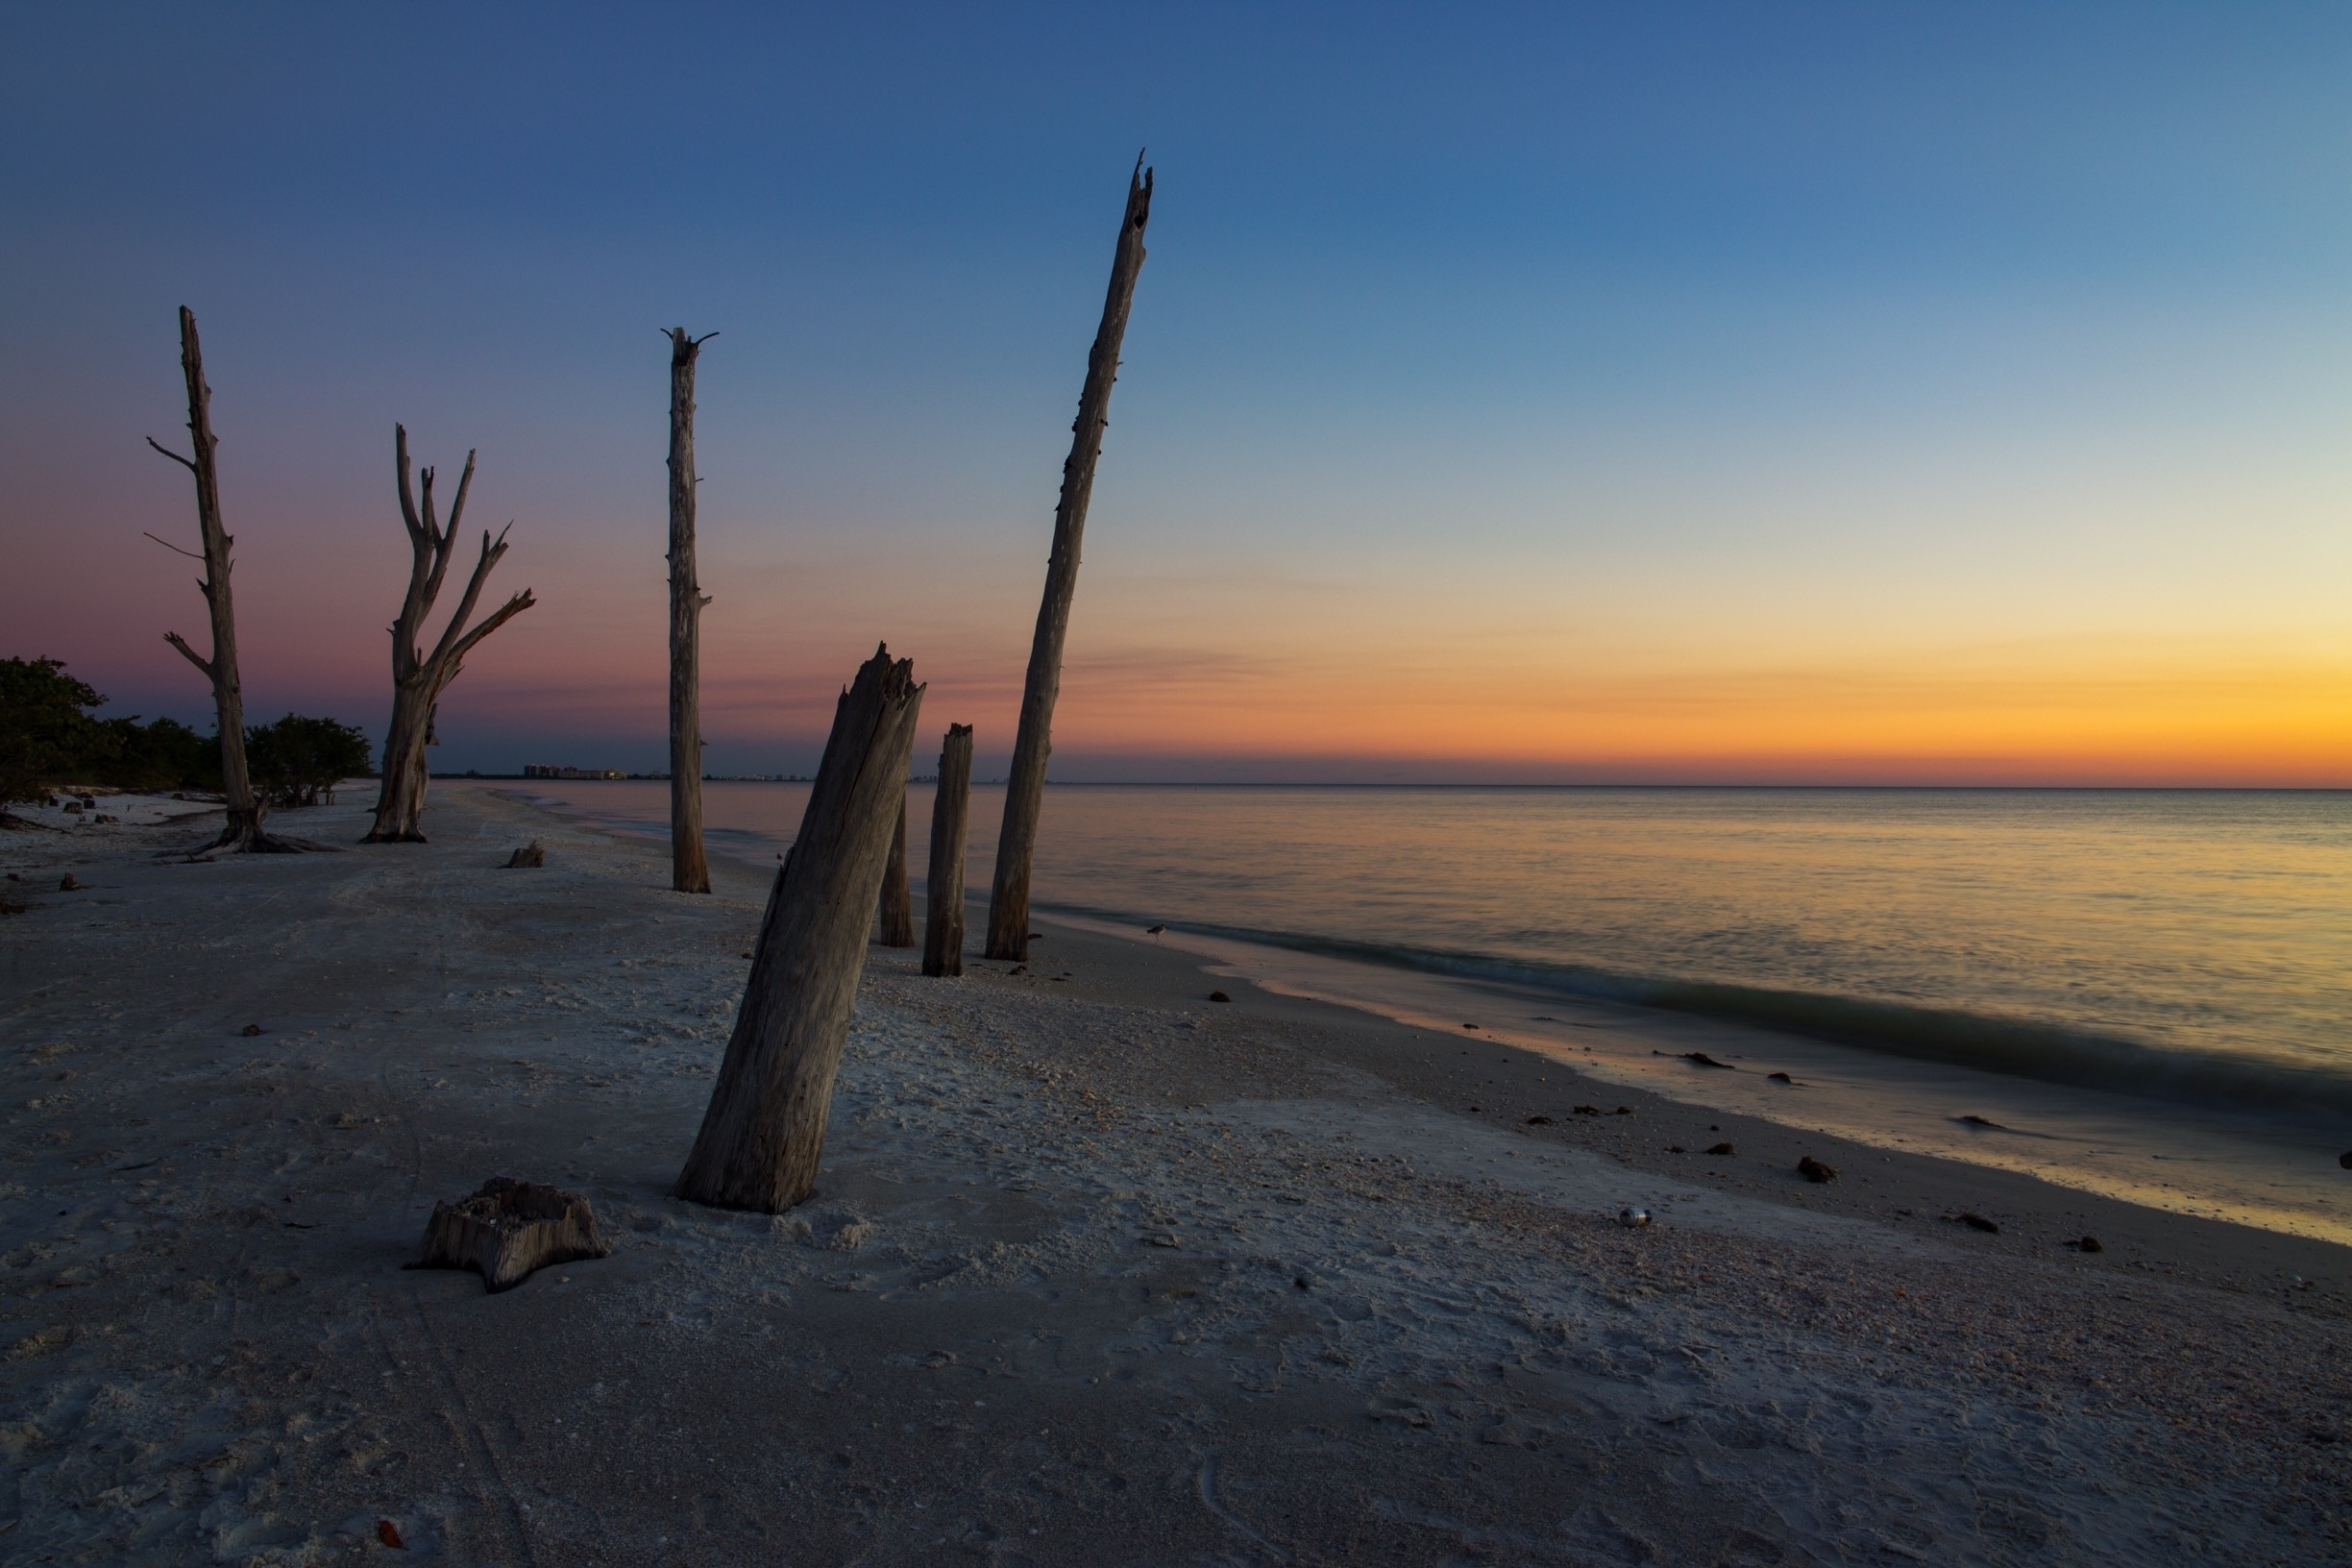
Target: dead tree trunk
(943,892)
(418,679)
(763,1130)
(688,870)
(1008,935)
(243,829)
(897,912)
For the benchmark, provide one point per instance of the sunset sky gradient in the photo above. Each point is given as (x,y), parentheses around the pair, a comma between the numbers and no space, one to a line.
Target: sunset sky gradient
(1674,393)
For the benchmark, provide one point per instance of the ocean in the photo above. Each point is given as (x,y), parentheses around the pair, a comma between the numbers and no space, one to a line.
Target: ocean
(2125,977)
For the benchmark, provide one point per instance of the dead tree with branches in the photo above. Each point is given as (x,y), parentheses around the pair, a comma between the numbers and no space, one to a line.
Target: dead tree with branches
(1007,932)
(419,678)
(245,808)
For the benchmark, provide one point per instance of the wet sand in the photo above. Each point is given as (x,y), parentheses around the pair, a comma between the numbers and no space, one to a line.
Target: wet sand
(1102,1271)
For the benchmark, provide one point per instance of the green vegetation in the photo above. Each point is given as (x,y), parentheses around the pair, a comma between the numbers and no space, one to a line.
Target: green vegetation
(45,730)
(48,738)
(298,761)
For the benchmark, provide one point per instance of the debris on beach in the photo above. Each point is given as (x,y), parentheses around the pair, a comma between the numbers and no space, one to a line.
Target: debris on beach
(1781,1078)
(1622,1110)
(1220,996)
(509,1229)
(1634,1220)
(1723,1148)
(1702,1059)
(389,1533)
(2087,1243)
(69,885)
(1539,1121)
(2346,1159)
(1973,1121)
(531,857)
(1587,1110)
(250,1031)
(1976,1223)
(1813,1170)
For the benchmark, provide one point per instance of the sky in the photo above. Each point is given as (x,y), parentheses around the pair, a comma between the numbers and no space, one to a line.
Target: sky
(1887,393)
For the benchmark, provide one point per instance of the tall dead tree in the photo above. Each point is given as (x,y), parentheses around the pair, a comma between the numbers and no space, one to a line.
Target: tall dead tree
(763,1133)
(897,916)
(688,870)
(419,678)
(943,892)
(243,828)
(1008,935)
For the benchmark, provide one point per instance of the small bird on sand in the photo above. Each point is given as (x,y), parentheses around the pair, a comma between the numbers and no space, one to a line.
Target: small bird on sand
(1155,930)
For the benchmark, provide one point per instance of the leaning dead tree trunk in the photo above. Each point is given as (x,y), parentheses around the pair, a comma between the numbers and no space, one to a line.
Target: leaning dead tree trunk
(1008,935)
(943,892)
(243,829)
(688,870)
(763,1130)
(419,678)
(898,912)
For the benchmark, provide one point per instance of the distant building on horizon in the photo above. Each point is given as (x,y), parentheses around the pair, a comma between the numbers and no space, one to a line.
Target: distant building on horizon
(549,770)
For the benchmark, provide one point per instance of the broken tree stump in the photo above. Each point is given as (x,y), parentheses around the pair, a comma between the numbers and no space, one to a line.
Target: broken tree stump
(763,1133)
(531,857)
(898,914)
(510,1228)
(944,888)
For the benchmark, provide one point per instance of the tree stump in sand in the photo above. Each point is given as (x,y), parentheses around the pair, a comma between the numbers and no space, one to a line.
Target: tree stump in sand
(530,858)
(510,1228)
(943,892)
(764,1131)
(897,915)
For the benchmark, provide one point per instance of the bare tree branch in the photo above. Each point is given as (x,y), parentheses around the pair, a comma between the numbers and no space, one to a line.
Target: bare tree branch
(408,500)
(509,611)
(173,456)
(197,660)
(169,545)
(490,555)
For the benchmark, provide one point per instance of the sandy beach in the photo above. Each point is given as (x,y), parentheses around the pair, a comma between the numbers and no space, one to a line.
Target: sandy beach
(1101,1271)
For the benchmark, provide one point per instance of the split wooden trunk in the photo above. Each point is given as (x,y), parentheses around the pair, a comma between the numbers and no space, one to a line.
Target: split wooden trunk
(510,1228)
(943,893)
(763,1133)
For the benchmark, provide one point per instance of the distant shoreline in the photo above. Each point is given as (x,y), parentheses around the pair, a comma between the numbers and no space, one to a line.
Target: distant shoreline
(1590,789)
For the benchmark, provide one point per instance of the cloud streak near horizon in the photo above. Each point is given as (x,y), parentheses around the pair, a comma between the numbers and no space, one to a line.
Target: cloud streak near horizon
(1846,394)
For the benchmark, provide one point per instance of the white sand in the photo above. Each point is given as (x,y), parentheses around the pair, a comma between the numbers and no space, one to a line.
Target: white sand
(1101,1273)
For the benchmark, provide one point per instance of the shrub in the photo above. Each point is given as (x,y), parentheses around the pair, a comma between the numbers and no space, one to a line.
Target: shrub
(160,754)
(46,732)
(298,761)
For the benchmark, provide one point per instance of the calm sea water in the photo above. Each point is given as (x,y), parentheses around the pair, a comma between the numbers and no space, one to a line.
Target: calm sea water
(2191,947)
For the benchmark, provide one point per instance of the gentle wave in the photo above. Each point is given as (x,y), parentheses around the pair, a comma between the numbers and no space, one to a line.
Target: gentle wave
(2017,1047)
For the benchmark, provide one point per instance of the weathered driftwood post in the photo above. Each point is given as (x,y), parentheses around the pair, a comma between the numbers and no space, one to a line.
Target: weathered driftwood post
(417,679)
(898,912)
(1008,935)
(943,893)
(243,830)
(763,1130)
(688,870)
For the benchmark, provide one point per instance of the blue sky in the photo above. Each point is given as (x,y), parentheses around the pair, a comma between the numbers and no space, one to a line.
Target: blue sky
(1693,362)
